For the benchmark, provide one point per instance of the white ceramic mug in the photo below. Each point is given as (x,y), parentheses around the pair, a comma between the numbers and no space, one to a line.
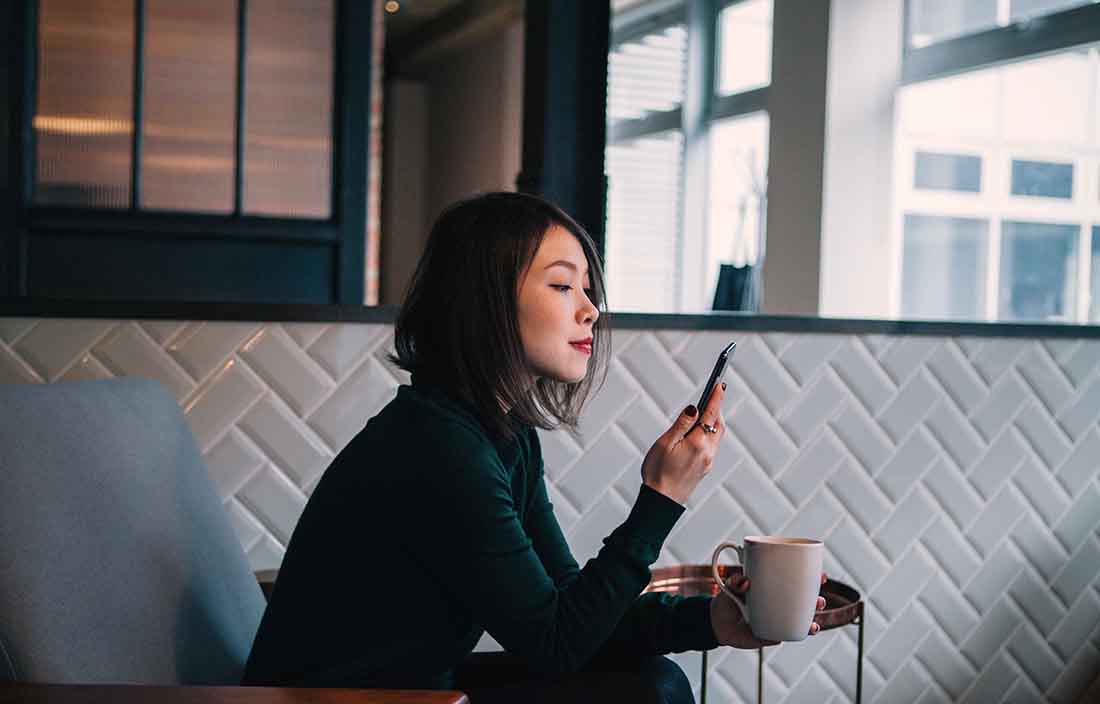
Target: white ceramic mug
(785,580)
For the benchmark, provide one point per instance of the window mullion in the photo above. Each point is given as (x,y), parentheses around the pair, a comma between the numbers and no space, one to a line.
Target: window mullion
(238,137)
(138,100)
(702,21)
(653,123)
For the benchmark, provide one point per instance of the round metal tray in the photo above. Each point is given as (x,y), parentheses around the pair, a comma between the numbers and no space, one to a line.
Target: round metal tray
(843,604)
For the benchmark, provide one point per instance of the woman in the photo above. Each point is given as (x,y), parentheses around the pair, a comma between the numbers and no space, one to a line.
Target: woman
(433,525)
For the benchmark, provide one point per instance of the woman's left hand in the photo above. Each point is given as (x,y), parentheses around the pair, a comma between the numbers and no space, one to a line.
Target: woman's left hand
(731,629)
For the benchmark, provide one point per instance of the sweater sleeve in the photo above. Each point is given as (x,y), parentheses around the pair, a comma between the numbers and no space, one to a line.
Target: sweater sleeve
(472,542)
(655,623)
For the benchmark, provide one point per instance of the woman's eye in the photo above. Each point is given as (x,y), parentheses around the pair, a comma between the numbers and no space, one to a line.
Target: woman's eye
(561,287)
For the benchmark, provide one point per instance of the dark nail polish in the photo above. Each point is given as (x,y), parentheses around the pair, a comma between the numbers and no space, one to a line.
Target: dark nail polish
(723,386)
(690,411)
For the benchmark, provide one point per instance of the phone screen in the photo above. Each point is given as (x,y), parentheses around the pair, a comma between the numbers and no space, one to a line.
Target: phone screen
(715,375)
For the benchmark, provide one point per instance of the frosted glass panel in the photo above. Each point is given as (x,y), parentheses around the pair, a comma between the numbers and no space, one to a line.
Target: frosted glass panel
(190,103)
(84,114)
(289,108)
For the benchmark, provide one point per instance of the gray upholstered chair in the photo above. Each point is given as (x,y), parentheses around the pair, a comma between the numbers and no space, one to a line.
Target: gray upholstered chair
(118,563)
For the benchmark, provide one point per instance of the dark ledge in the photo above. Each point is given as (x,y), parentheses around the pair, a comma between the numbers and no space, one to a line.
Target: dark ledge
(310,313)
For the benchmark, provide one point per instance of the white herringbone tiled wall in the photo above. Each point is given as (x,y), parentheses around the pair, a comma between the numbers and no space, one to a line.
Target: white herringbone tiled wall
(956,481)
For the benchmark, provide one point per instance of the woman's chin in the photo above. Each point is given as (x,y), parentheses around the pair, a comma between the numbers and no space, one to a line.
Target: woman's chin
(567,373)
(570,377)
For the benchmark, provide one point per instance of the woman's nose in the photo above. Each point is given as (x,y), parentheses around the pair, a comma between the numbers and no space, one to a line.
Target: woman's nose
(588,313)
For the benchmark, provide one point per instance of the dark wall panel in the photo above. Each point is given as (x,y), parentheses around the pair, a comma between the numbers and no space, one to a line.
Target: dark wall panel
(110,268)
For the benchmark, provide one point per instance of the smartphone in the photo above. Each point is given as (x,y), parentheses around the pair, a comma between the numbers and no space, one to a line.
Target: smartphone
(715,375)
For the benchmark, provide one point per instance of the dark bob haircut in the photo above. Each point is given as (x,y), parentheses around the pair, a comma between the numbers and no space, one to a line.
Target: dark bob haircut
(459,327)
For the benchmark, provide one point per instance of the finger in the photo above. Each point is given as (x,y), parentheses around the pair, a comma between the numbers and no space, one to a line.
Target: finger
(738,583)
(713,412)
(820,603)
(814,628)
(824,578)
(683,422)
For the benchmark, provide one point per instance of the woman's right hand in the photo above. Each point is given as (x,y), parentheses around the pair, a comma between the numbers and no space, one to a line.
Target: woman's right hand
(680,459)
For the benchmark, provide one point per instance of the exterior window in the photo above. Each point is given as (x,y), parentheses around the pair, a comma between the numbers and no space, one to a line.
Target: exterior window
(932,21)
(1094,277)
(738,192)
(948,172)
(646,75)
(944,267)
(643,217)
(686,198)
(1038,271)
(1026,9)
(1038,178)
(744,46)
(936,20)
(999,146)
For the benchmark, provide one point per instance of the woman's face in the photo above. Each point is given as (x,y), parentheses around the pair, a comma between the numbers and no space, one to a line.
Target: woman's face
(555,314)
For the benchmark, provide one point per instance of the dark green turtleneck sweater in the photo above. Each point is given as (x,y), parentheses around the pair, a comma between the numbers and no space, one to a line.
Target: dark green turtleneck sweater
(423,533)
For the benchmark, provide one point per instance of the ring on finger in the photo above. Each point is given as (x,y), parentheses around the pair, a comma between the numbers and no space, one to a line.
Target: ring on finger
(708,428)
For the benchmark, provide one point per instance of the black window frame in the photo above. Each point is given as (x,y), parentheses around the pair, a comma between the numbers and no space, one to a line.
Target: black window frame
(1018,40)
(343,233)
(700,85)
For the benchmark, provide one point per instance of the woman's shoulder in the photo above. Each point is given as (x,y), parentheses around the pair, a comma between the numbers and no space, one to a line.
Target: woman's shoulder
(440,406)
(441,422)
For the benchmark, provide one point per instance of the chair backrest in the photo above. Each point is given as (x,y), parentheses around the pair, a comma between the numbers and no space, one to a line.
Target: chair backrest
(117,559)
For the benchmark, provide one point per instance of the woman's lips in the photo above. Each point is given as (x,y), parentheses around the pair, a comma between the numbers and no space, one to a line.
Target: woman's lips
(585,347)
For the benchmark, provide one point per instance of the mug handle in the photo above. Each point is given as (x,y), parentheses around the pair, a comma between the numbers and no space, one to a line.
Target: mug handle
(718,577)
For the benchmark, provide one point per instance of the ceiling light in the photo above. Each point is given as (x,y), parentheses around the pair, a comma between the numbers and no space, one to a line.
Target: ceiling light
(392,6)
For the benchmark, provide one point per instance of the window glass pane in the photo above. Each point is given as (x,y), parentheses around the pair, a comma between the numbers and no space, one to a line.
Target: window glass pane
(1041,178)
(1038,271)
(1094,277)
(1023,9)
(1035,117)
(190,103)
(959,106)
(84,115)
(935,20)
(288,108)
(744,46)
(1047,100)
(738,194)
(943,267)
(950,172)
(643,222)
(647,74)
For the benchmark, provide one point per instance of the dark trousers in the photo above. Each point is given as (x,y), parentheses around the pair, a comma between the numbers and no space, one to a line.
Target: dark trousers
(488,678)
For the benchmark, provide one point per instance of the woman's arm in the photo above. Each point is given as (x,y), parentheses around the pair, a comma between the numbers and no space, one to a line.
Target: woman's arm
(472,541)
(655,623)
